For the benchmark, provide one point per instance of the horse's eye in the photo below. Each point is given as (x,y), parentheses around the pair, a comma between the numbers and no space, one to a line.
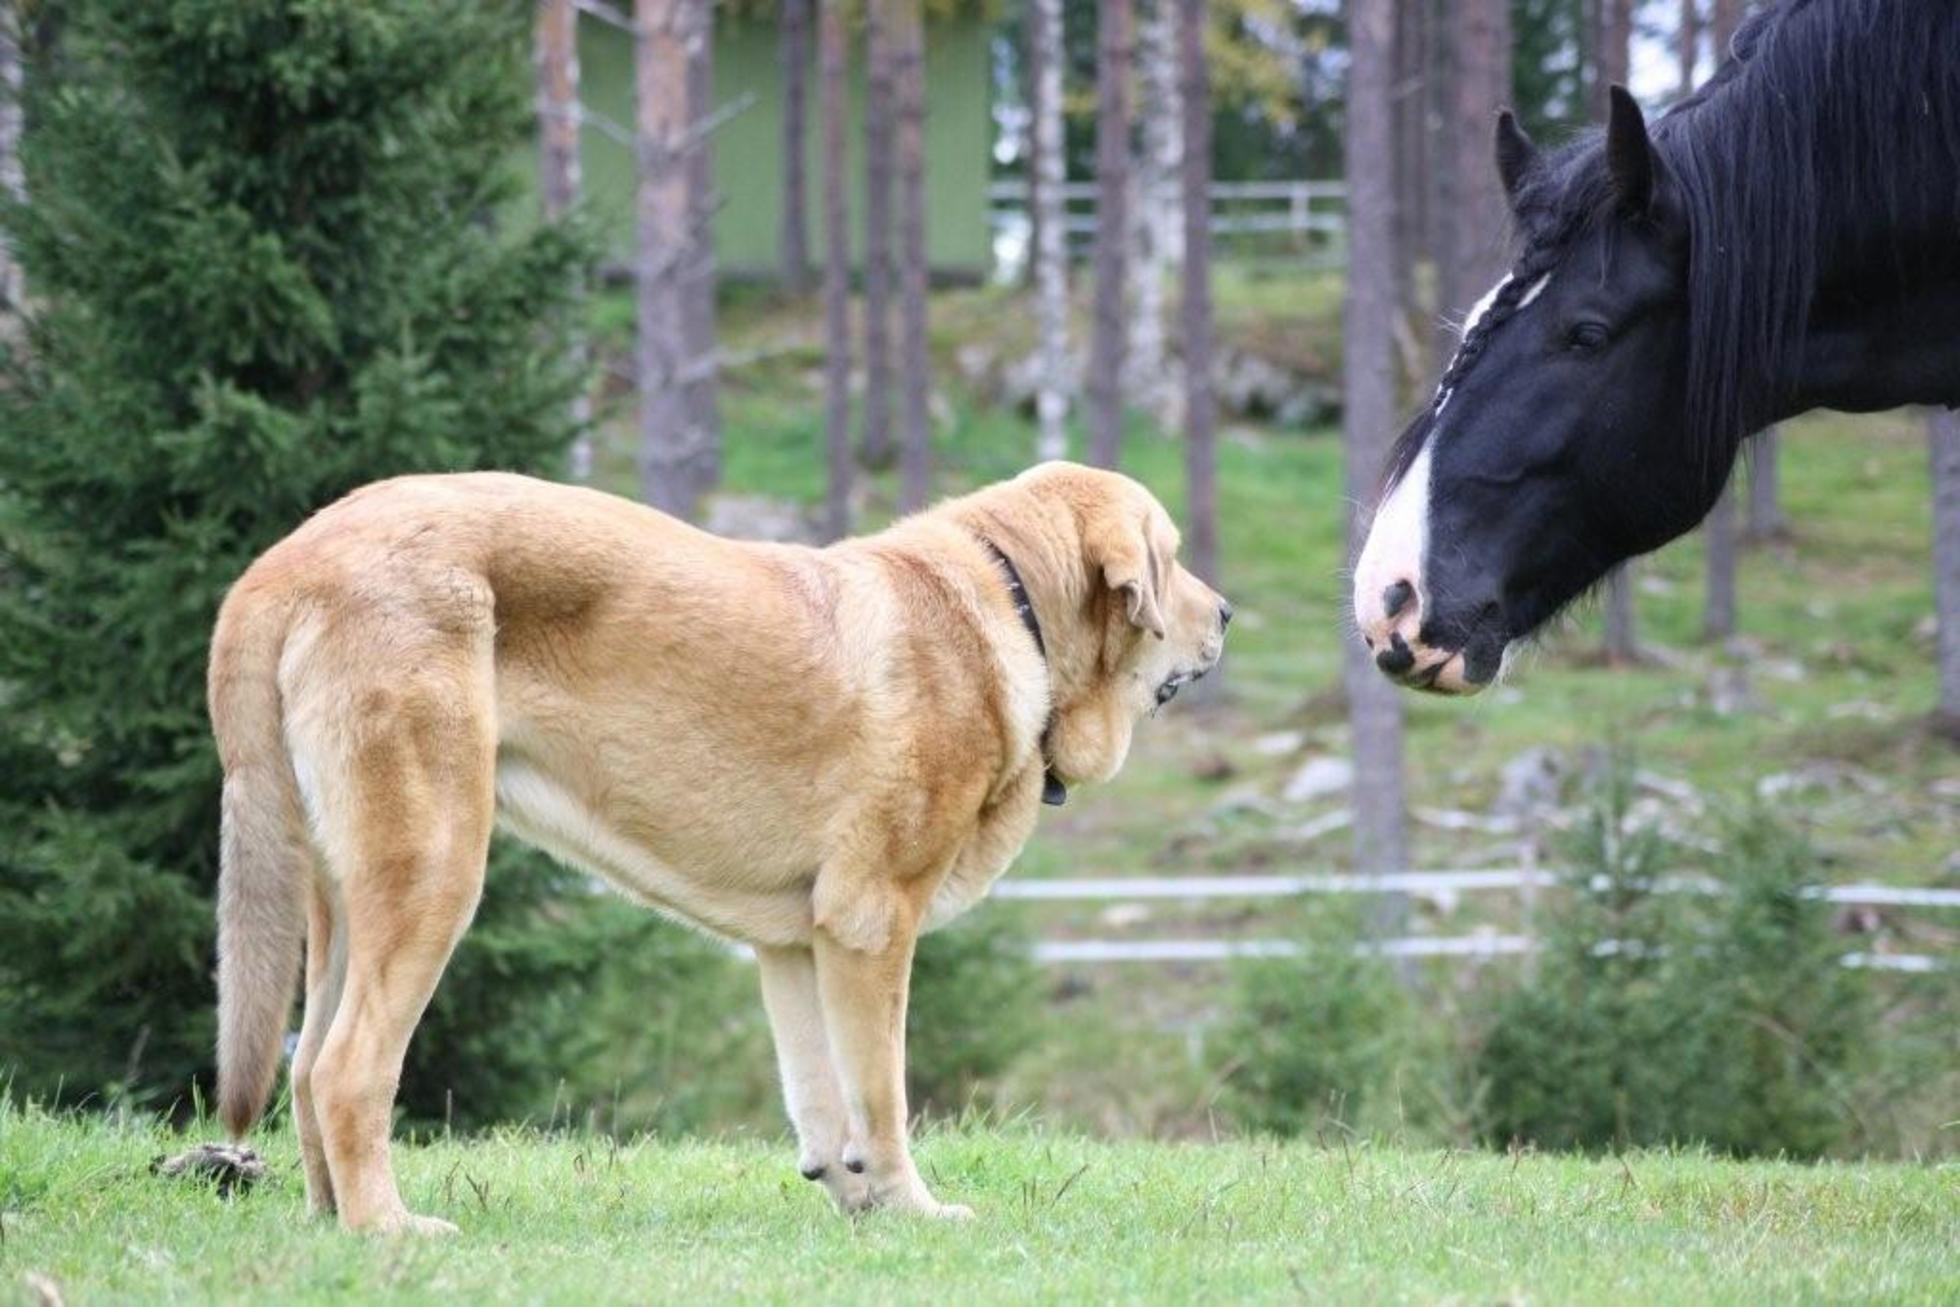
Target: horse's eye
(1585,337)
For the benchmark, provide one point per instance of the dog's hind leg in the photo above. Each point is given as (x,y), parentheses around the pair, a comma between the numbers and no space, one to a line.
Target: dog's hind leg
(326,969)
(811,1093)
(410,830)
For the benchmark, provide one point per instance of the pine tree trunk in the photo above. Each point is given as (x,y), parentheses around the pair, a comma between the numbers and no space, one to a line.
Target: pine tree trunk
(1412,183)
(665,212)
(1687,44)
(1723,18)
(878,143)
(1112,233)
(1614,50)
(703,358)
(908,78)
(559,179)
(1050,232)
(1368,385)
(1943,439)
(1766,520)
(836,268)
(1480,32)
(1622,628)
(794,44)
(1610,27)
(1034,65)
(13,184)
(1154,217)
(1719,540)
(1195,326)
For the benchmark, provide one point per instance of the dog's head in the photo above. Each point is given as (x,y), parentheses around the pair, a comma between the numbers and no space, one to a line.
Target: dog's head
(1099,553)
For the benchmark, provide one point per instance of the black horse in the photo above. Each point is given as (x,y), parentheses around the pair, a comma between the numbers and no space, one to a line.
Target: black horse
(1788,238)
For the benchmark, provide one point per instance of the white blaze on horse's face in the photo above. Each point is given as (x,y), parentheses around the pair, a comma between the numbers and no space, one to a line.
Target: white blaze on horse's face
(1389,590)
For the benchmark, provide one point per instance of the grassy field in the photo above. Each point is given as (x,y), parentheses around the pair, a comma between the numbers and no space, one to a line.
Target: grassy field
(1060,1219)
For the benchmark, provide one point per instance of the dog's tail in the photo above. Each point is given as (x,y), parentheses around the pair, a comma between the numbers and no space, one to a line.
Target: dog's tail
(263,857)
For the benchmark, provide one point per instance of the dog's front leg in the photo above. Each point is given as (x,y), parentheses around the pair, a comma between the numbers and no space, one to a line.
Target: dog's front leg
(863,992)
(811,1093)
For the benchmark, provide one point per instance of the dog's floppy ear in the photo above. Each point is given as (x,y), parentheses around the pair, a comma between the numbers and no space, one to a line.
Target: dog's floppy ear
(1120,546)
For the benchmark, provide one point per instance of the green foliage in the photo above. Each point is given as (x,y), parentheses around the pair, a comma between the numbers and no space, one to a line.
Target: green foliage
(976,1001)
(1721,1018)
(268,264)
(1329,1037)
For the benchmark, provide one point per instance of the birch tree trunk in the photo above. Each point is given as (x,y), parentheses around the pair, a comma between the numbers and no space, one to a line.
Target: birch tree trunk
(698,307)
(1112,233)
(559,177)
(1368,385)
(1154,219)
(794,48)
(1719,545)
(668,442)
(1200,404)
(877,448)
(1050,232)
(908,81)
(1943,439)
(836,269)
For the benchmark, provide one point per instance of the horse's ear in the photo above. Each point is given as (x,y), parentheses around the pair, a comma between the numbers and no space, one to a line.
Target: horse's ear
(1516,155)
(1629,153)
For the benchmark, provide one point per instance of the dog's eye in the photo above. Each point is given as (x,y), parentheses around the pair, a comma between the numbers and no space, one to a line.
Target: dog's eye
(1585,337)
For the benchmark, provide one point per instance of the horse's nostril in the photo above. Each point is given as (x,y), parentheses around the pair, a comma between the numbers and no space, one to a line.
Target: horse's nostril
(1397,658)
(1396,598)
(1224,613)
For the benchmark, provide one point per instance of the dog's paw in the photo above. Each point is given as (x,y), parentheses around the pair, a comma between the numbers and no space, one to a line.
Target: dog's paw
(408,1223)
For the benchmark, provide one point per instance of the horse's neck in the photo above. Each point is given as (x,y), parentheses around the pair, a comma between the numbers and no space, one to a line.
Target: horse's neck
(1863,354)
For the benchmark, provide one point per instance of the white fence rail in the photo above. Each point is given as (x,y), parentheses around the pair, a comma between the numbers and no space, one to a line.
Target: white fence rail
(1299,208)
(1417,884)
(1443,886)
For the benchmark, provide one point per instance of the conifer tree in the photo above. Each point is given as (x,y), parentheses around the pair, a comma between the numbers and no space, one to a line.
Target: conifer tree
(275,254)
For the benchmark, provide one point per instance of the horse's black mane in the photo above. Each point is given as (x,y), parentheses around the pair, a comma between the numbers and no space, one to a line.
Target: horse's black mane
(1802,146)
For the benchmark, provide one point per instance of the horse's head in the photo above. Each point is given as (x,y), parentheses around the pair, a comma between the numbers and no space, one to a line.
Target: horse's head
(1559,442)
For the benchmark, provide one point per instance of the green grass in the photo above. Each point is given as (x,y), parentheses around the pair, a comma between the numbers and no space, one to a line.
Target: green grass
(1060,1219)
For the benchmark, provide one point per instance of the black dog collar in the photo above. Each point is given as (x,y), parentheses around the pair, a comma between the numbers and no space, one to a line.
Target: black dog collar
(1053,792)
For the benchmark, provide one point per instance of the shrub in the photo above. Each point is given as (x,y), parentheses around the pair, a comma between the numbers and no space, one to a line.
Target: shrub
(976,998)
(1658,1017)
(1329,1037)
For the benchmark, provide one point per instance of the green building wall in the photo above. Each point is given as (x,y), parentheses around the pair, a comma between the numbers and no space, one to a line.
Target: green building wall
(748,147)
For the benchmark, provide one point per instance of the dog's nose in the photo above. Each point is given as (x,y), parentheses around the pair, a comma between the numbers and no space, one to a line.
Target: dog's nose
(1224,613)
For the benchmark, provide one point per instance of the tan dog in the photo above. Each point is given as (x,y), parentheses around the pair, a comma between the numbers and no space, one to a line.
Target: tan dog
(820,752)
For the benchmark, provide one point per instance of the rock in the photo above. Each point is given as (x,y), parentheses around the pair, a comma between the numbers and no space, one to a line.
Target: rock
(1123,916)
(758,517)
(1319,778)
(1277,744)
(1249,386)
(1729,693)
(1213,766)
(230,1166)
(1530,785)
